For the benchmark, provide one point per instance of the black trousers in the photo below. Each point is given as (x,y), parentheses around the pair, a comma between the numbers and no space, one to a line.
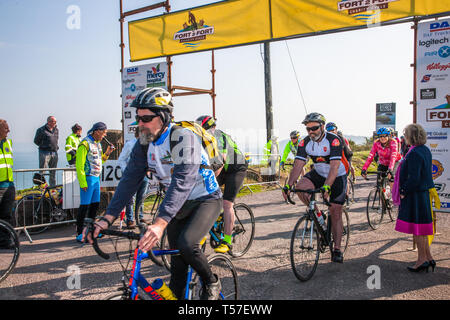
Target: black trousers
(7,198)
(184,233)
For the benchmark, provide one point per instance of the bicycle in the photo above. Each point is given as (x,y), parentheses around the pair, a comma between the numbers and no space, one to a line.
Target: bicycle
(350,196)
(220,264)
(43,206)
(309,237)
(9,249)
(242,235)
(379,201)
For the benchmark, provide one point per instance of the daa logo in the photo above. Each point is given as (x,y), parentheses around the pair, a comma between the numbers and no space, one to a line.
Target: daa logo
(132,70)
(439,26)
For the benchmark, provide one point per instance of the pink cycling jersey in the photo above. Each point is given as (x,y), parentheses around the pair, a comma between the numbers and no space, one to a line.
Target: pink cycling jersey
(387,156)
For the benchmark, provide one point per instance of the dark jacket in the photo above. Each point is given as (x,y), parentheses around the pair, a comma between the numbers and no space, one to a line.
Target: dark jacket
(47,140)
(415,172)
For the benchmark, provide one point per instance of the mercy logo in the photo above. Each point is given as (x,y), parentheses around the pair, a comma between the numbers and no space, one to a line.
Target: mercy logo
(439,26)
(193,32)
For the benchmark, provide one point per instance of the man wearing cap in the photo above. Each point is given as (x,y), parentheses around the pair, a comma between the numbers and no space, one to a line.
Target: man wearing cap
(89,160)
(72,143)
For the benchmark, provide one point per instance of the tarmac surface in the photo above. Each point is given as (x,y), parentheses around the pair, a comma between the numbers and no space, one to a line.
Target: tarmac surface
(55,267)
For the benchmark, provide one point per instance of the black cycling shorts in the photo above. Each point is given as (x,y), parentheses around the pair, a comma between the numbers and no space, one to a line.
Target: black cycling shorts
(338,189)
(233,182)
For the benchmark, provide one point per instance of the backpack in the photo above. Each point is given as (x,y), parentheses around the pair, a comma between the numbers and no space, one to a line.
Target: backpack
(209,142)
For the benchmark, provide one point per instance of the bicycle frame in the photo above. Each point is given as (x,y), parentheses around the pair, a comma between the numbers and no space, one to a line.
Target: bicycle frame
(137,280)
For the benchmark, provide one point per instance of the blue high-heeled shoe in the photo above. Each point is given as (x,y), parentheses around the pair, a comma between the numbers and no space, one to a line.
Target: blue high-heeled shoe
(423,266)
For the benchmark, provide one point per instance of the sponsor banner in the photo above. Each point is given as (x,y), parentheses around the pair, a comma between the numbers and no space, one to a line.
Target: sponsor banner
(134,79)
(385,115)
(433,99)
(218,25)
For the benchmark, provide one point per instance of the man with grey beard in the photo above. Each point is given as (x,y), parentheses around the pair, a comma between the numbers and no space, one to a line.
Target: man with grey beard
(193,200)
(329,173)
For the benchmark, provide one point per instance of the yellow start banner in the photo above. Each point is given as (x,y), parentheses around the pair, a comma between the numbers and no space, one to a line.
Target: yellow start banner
(218,25)
(238,22)
(296,17)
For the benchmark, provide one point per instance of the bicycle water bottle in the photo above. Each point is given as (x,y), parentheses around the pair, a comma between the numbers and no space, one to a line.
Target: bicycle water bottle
(163,290)
(387,192)
(320,218)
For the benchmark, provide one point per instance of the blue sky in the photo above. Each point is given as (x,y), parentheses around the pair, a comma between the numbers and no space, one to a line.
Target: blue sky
(74,75)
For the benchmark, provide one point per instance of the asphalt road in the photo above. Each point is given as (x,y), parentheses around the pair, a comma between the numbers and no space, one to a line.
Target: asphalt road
(55,267)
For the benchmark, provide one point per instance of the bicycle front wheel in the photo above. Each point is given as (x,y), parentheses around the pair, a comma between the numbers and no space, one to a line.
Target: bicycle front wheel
(9,249)
(374,209)
(33,210)
(304,249)
(243,231)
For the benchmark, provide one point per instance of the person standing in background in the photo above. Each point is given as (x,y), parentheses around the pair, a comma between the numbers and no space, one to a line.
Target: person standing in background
(72,143)
(46,139)
(7,188)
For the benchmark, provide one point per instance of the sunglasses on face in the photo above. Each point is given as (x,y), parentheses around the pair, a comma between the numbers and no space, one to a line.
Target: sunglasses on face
(146,118)
(294,138)
(312,128)
(383,136)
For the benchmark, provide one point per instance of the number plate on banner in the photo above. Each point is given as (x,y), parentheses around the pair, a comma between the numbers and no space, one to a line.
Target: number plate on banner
(111,174)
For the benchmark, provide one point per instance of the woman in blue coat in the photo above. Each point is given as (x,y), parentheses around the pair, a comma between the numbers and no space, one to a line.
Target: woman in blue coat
(415,180)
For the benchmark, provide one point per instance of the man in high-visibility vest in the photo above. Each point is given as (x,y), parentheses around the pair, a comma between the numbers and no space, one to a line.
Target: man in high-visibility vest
(7,189)
(72,143)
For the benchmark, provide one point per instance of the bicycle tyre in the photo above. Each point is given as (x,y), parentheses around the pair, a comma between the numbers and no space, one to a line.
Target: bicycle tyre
(350,198)
(221,266)
(150,211)
(121,296)
(243,230)
(374,209)
(304,230)
(9,249)
(392,210)
(25,214)
(345,232)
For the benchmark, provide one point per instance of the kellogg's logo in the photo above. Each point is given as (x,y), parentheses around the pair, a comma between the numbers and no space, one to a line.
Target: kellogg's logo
(193,32)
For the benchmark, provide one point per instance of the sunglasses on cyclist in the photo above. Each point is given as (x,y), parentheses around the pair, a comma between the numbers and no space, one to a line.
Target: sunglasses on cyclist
(383,136)
(146,118)
(312,128)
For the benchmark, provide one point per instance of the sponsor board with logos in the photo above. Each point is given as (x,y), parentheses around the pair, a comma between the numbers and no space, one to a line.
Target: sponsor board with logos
(433,99)
(134,79)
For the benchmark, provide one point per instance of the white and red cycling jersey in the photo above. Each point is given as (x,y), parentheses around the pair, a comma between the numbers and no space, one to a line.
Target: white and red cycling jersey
(387,156)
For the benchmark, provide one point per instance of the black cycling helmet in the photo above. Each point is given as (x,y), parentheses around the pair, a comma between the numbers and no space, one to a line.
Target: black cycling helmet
(154,99)
(314,117)
(206,122)
(38,179)
(294,134)
(330,126)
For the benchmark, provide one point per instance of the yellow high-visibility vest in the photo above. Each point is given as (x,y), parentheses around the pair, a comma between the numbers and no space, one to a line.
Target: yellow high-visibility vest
(6,161)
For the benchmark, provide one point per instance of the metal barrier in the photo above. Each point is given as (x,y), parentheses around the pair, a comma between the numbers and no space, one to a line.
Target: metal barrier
(39,206)
(262,170)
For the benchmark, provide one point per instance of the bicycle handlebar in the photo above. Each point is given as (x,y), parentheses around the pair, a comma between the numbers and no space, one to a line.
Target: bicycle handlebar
(309,191)
(89,223)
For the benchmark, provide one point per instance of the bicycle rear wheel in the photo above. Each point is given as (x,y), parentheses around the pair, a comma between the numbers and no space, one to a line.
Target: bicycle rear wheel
(9,249)
(304,249)
(221,266)
(345,231)
(374,209)
(243,231)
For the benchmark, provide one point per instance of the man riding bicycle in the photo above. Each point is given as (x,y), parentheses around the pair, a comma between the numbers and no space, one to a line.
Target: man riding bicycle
(291,147)
(193,200)
(232,176)
(329,173)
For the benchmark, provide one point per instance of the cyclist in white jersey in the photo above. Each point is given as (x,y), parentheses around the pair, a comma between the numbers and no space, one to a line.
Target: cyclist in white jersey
(330,169)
